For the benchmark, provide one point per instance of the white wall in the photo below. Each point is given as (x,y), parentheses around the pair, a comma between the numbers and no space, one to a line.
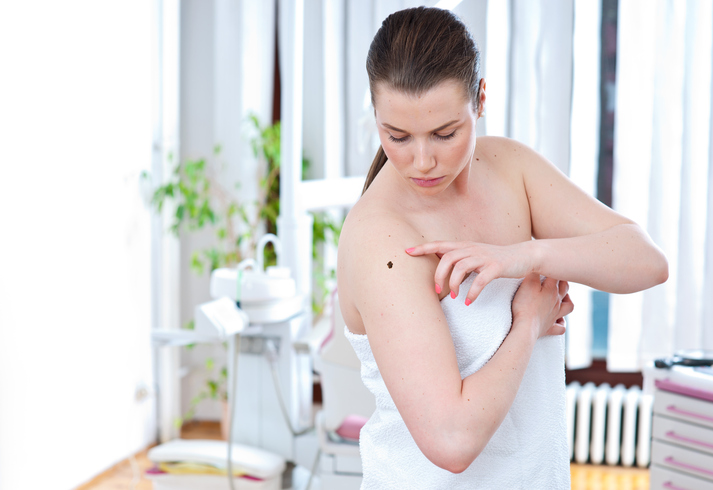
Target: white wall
(75,306)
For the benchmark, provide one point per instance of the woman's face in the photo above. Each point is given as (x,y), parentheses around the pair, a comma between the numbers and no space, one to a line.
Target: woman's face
(429,139)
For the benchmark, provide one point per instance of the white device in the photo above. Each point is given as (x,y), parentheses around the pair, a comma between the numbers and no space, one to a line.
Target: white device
(220,319)
(269,300)
(249,286)
(266,296)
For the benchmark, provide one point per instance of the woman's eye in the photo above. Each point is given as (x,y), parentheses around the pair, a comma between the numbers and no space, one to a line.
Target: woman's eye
(446,137)
(398,140)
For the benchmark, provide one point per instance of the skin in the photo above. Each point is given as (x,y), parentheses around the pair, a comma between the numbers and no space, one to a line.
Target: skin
(490,197)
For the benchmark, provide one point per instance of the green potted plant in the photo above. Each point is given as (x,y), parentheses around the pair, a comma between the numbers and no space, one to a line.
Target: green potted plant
(202,201)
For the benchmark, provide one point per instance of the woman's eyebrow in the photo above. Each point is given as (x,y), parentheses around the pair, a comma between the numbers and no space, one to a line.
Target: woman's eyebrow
(444,126)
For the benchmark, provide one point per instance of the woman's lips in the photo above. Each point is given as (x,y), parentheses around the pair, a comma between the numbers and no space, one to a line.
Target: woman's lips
(427,182)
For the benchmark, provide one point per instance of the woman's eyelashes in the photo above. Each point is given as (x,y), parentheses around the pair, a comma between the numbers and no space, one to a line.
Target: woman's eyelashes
(437,136)
(446,137)
(398,140)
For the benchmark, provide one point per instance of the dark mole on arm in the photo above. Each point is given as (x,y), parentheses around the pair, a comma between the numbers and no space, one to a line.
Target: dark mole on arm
(390,264)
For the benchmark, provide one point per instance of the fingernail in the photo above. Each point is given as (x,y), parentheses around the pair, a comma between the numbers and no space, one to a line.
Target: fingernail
(453,294)
(438,289)
(409,250)
(467,301)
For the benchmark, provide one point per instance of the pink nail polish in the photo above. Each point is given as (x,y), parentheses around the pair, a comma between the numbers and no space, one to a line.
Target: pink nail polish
(453,294)
(467,301)
(409,250)
(438,289)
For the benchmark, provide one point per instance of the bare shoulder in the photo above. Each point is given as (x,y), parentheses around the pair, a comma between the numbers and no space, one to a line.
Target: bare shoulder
(374,271)
(507,154)
(558,208)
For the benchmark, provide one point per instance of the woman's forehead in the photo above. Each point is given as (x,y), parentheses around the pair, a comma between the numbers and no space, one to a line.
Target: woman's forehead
(443,103)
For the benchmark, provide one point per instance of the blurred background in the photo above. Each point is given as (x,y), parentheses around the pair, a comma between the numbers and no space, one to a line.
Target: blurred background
(103,103)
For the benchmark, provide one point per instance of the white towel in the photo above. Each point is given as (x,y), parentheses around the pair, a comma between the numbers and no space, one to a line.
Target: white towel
(528,451)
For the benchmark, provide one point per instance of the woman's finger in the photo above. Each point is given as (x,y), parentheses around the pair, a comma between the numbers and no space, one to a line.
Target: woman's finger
(461,268)
(564,288)
(433,248)
(460,259)
(481,280)
(551,283)
(566,307)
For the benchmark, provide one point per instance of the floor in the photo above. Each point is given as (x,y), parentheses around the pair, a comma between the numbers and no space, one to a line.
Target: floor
(584,477)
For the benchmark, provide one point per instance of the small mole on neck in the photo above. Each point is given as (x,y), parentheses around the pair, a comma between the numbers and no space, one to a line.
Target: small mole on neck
(390,264)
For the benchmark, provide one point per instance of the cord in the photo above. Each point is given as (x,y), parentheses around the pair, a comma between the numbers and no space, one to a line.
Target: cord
(233,349)
(271,355)
(314,469)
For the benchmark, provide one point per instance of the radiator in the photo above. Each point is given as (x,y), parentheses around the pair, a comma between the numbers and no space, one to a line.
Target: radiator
(608,425)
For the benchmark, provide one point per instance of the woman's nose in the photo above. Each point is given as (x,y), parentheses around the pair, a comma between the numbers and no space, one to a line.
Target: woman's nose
(424,159)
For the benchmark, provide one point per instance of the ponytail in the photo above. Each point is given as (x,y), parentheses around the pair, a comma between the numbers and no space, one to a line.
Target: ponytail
(376,166)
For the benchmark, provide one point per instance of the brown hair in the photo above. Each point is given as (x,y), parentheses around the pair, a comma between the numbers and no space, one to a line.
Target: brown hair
(416,49)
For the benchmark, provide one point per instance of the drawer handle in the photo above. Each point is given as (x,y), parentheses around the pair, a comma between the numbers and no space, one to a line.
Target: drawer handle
(670,485)
(673,462)
(673,435)
(672,408)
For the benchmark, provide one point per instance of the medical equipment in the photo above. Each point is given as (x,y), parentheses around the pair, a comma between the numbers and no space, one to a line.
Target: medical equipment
(270,297)
(253,468)
(347,404)
(686,358)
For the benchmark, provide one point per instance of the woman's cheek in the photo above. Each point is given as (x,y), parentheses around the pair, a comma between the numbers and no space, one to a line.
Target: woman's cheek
(463,148)
(393,152)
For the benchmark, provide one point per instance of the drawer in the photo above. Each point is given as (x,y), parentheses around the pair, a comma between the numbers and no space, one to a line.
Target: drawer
(684,408)
(682,460)
(661,478)
(683,434)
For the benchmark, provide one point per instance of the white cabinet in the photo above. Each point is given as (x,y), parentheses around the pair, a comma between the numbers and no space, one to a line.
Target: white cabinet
(682,436)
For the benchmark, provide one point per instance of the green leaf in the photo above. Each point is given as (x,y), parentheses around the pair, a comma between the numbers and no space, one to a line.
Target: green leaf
(197,264)
(213,387)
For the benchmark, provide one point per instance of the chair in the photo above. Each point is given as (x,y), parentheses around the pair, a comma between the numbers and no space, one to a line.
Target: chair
(346,406)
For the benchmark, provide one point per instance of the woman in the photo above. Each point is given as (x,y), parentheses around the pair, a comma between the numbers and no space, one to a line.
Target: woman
(468,395)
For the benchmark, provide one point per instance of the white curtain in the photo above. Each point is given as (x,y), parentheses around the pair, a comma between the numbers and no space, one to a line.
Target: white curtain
(662,174)
(552,105)
(541,63)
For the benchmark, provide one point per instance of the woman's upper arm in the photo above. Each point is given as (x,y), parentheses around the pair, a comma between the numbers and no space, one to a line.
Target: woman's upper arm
(558,208)
(407,330)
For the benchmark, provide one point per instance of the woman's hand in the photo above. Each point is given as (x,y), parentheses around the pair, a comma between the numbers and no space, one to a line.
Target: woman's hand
(542,304)
(458,259)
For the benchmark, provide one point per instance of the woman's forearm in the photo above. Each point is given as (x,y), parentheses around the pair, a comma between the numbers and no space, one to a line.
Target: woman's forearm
(621,259)
(486,397)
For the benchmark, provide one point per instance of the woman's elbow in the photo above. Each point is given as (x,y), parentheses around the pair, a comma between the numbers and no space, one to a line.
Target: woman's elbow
(658,269)
(663,270)
(458,466)
(453,456)
(458,463)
